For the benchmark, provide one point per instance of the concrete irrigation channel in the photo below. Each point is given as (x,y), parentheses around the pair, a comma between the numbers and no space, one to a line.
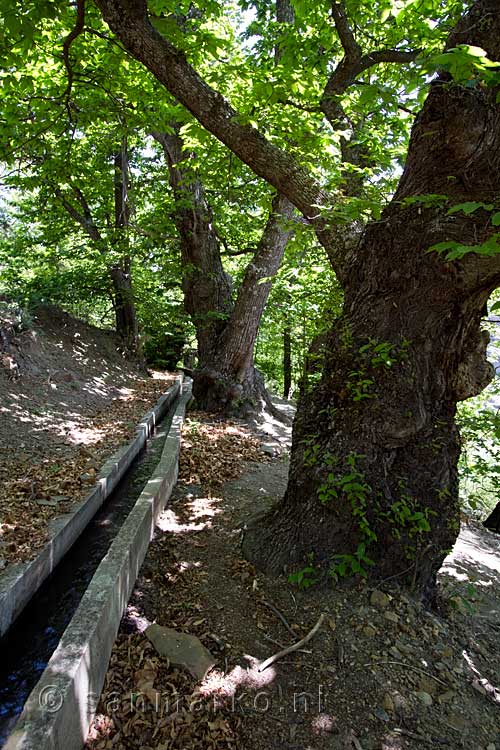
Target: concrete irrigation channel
(54,658)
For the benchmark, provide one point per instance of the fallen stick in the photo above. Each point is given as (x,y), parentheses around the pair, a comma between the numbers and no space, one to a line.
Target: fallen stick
(408,666)
(294,647)
(280,616)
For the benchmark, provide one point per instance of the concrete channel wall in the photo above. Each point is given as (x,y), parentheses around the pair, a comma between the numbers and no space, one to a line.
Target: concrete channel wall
(60,709)
(19,582)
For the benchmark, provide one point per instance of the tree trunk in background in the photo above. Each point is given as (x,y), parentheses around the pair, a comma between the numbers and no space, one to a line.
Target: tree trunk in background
(124,306)
(375,446)
(121,272)
(225,379)
(230,376)
(206,286)
(287,361)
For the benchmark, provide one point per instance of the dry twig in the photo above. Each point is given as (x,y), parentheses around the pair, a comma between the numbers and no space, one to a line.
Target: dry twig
(294,647)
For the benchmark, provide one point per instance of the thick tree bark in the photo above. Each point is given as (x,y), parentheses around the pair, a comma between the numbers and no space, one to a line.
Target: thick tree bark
(375,446)
(225,379)
(207,288)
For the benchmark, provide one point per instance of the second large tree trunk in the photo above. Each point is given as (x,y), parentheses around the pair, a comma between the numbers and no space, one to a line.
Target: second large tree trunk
(225,379)
(229,378)
(373,482)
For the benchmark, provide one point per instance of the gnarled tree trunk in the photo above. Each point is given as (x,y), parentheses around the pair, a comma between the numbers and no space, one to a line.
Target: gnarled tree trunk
(225,378)
(373,480)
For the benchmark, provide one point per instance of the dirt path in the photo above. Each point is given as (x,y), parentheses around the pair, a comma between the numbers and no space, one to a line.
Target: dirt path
(382,673)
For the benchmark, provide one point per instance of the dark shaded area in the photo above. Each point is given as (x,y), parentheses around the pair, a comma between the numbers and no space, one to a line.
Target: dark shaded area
(493,521)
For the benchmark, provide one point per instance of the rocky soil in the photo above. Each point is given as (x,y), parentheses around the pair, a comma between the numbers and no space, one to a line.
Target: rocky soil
(380,673)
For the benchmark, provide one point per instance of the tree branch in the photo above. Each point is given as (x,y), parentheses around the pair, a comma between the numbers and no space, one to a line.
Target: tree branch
(346,73)
(353,63)
(128,20)
(76,31)
(346,36)
(84,219)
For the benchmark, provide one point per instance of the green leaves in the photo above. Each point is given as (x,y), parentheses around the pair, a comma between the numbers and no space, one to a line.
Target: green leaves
(468,65)
(469,207)
(456,251)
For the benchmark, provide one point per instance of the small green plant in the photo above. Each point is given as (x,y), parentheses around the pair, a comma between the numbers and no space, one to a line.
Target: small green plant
(465,602)
(403,515)
(359,385)
(312,455)
(345,566)
(307,576)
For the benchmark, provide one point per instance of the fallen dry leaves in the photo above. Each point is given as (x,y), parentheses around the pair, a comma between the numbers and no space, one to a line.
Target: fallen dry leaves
(147,704)
(35,487)
(215,452)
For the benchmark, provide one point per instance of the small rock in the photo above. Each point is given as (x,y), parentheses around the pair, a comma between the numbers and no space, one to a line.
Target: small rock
(427,685)
(394,652)
(379,599)
(48,503)
(86,478)
(424,698)
(181,649)
(388,703)
(400,704)
(369,631)
(446,697)
(391,616)
(457,721)
(405,648)
(269,449)
(491,746)
(381,714)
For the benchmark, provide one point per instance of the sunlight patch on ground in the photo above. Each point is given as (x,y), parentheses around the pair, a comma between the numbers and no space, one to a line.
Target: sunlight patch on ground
(469,548)
(170,522)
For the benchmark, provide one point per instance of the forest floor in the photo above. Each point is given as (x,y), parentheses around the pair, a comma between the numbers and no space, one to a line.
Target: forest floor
(381,673)
(68,400)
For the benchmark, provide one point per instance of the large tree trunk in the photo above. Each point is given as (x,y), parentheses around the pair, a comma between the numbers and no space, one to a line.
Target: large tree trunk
(375,447)
(207,287)
(225,379)
(231,372)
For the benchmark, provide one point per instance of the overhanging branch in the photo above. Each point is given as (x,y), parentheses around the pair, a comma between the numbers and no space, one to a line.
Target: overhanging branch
(74,33)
